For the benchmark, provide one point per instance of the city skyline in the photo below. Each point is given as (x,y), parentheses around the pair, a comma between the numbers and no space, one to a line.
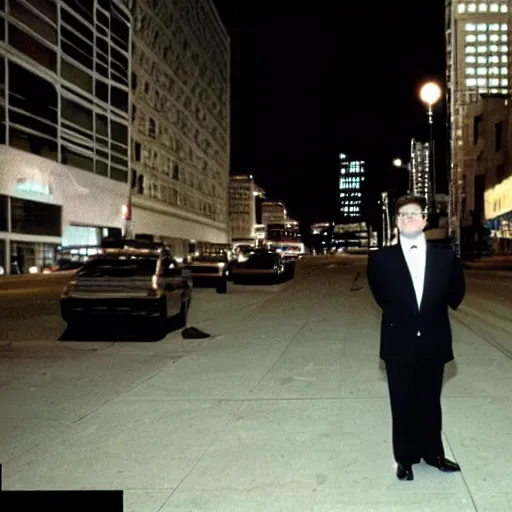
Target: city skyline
(297,101)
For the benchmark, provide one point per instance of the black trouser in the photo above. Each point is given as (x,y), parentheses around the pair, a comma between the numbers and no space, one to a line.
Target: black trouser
(415,396)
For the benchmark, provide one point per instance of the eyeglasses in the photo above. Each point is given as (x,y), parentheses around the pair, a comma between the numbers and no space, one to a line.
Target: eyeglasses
(410,215)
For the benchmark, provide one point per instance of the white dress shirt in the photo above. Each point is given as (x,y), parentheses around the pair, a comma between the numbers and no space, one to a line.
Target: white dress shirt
(415,253)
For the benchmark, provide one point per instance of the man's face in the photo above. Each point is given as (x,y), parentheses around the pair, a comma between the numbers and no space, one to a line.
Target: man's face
(411,220)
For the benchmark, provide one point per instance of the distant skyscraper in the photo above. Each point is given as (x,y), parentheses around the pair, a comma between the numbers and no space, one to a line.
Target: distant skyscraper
(273,211)
(420,170)
(243,194)
(478,55)
(351,179)
(478,62)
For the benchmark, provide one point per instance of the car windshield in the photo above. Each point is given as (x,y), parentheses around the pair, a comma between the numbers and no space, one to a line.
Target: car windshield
(262,260)
(119,267)
(211,257)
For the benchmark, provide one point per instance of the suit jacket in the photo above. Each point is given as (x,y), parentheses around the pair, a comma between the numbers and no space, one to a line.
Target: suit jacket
(409,332)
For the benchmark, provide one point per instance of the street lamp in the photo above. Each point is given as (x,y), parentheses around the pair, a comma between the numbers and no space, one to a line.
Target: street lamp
(430,93)
(386,221)
(400,164)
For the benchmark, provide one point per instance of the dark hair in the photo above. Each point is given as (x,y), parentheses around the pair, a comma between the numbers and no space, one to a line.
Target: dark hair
(410,199)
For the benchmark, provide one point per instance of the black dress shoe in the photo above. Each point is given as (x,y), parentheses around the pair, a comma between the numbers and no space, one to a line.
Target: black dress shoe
(443,464)
(404,472)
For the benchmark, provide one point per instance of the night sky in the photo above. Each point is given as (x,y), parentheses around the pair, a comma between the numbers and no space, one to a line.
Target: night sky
(313,83)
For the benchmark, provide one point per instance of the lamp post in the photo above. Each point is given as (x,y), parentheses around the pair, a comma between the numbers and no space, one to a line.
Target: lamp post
(397,162)
(430,93)
(386,221)
(127,218)
(127,209)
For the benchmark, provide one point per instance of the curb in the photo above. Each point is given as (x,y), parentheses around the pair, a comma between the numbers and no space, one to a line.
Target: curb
(484,266)
(24,282)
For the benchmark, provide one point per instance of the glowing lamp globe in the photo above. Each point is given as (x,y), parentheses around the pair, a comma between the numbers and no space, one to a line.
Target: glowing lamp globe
(430,93)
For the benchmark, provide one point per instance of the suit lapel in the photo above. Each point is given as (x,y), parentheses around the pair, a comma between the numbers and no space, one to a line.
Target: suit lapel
(428,280)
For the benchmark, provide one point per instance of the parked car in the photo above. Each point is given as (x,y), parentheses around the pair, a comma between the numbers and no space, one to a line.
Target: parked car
(213,267)
(264,264)
(128,280)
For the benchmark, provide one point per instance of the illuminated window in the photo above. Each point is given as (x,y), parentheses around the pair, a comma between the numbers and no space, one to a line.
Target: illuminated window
(470,71)
(470,49)
(494,8)
(494,71)
(470,27)
(470,59)
(481,82)
(504,8)
(482,8)
(504,27)
(504,49)
(481,71)
(482,60)
(504,82)
(494,38)
(504,71)
(462,8)
(470,39)
(482,27)
(494,82)
(504,59)
(504,38)
(493,48)
(482,49)
(482,38)
(494,26)
(494,59)
(471,7)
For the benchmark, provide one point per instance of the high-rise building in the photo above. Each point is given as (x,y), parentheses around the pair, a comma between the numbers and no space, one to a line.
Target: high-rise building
(478,63)
(273,211)
(65,126)
(420,170)
(243,196)
(181,139)
(351,181)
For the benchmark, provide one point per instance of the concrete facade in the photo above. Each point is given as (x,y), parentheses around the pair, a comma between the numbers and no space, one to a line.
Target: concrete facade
(180,83)
(64,125)
(243,194)
(273,211)
(486,157)
(477,62)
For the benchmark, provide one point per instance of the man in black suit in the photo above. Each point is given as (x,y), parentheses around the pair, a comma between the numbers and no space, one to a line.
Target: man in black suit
(414,283)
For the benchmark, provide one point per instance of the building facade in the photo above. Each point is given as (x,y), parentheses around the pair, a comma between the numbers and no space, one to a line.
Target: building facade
(478,62)
(420,184)
(352,175)
(273,211)
(488,165)
(320,238)
(181,130)
(243,197)
(65,125)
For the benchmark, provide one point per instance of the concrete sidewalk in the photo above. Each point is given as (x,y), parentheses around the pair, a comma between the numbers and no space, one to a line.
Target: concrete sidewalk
(286,409)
